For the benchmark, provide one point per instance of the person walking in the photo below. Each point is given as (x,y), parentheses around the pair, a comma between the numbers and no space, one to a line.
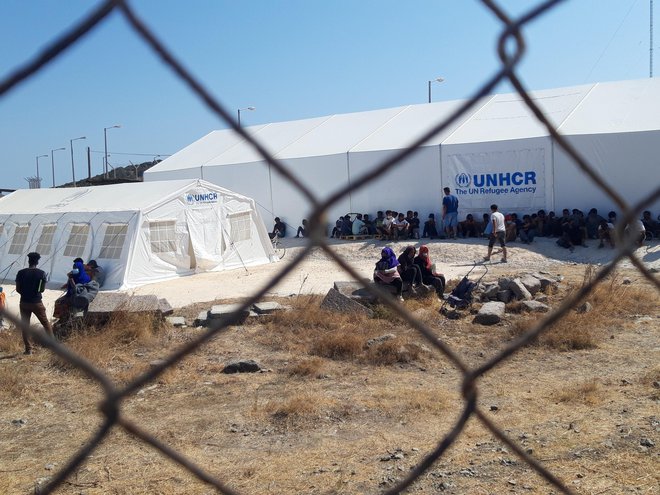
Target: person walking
(450,213)
(498,233)
(30,283)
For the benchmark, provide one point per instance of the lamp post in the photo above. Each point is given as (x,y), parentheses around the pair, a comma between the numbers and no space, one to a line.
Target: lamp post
(52,162)
(239,113)
(105,141)
(38,177)
(437,79)
(73,167)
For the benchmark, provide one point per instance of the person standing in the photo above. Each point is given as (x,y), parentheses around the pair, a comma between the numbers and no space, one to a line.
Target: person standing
(498,233)
(3,305)
(30,283)
(450,213)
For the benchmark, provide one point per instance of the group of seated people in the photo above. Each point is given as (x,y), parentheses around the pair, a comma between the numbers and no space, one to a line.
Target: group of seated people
(411,268)
(82,286)
(571,227)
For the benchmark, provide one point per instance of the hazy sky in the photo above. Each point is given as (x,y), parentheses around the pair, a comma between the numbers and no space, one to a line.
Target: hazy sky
(291,59)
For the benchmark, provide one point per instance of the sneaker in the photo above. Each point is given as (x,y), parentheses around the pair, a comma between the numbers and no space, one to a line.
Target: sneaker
(28,352)
(486,258)
(504,260)
(400,298)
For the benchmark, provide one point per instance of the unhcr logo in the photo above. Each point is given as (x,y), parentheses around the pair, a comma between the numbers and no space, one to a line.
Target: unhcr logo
(463,180)
(201,198)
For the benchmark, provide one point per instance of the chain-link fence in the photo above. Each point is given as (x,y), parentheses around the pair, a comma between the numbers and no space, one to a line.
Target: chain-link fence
(111,405)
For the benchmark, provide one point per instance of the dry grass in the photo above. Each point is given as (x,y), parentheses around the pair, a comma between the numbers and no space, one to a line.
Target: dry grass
(353,422)
(589,393)
(11,342)
(610,301)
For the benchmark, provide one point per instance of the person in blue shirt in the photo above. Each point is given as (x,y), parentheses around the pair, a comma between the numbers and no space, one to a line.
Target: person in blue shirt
(449,213)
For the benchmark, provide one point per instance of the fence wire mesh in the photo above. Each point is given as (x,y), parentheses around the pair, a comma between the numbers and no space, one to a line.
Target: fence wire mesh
(111,405)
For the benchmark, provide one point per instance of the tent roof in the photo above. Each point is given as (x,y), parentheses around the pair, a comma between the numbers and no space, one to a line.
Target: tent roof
(624,106)
(114,197)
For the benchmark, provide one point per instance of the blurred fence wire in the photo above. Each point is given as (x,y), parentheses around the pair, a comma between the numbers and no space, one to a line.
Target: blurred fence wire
(510,57)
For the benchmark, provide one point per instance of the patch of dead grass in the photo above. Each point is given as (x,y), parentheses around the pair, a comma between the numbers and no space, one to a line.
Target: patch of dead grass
(312,367)
(589,392)
(11,342)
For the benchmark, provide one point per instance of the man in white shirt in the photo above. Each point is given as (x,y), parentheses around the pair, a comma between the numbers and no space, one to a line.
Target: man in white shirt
(498,233)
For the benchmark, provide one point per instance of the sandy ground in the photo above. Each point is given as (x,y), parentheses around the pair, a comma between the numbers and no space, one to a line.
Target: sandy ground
(316,274)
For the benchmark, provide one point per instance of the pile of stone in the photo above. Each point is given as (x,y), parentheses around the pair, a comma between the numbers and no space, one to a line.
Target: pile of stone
(225,314)
(530,289)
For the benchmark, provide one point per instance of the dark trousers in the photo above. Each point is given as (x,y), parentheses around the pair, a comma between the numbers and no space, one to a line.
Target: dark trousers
(412,275)
(437,282)
(39,310)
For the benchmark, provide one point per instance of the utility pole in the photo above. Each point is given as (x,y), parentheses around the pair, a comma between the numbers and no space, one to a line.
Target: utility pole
(651,38)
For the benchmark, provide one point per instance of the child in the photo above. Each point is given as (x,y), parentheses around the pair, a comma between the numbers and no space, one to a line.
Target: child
(2,307)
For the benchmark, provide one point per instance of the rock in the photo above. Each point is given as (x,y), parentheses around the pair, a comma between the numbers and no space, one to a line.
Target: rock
(157,362)
(626,281)
(585,307)
(176,321)
(490,313)
(504,295)
(202,319)
(491,291)
(19,422)
(535,307)
(50,466)
(647,442)
(381,339)
(225,314)
(165,308)
(519,290)
(356,290)
(242,366)
(494,407)
(504,282)
(544,280)
(267,307)
(532,284)
(541,298)
(336,301)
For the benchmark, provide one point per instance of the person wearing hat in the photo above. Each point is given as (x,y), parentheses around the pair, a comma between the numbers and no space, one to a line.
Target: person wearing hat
(30,283)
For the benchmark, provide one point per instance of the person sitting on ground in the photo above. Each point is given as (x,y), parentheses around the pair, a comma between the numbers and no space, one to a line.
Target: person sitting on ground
(554,225)
(611,217)
(77,275)
(369,224)
(649,224)
(358,227)
(637,231)
(346,226)
(430,228)
(387,226)
(409,271)
(336,230)
(592,222)
(572,235)
(541,222)
(486,226)
(527,231)
(430,276)
(378,222)
(605,233)
(302,229)
(468,227)
(401,227)
(97,273)
(386,272)
(511,227)
(279,229)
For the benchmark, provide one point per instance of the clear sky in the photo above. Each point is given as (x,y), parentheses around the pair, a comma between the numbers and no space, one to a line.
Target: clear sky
(291,59)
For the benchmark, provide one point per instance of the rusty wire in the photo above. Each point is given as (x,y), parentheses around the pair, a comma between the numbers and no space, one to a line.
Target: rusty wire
(110,407)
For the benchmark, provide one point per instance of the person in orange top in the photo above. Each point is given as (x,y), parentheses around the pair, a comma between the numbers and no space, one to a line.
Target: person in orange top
(3,305)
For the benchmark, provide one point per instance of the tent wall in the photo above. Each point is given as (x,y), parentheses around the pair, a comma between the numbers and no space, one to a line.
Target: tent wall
(56,258)
(411,185)
(514,174)
(629,163)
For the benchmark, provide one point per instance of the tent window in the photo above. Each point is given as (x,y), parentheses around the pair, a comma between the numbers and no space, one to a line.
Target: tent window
(77,240)
(113,241)
(163,239)
(19,239)
(239,225)
(46,238)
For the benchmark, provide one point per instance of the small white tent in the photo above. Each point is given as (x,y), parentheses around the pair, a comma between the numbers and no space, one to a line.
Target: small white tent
(495,152)
(139,233)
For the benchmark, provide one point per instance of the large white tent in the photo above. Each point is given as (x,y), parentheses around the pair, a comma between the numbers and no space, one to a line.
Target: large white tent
(138,233)
(496,152)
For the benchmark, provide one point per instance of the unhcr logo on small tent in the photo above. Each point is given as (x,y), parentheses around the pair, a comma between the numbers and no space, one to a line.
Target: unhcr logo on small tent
(201,198)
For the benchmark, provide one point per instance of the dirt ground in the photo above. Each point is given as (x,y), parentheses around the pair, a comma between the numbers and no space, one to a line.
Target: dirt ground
(325,420)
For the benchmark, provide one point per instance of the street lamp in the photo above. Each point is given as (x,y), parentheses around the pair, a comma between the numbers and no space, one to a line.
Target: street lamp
(105,141)
(73,167)
(52,162)
(437,79)
(38,177)
(239,113)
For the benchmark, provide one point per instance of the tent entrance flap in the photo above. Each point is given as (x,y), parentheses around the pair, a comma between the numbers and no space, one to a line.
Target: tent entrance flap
(205,238)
